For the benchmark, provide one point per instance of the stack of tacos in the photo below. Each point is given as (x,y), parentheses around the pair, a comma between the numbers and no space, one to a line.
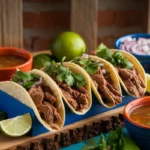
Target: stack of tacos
(38,91)
(130,72)
(104,79)
(74,85)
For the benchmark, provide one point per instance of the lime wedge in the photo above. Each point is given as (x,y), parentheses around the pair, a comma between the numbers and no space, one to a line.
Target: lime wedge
(148,82)
(17,126)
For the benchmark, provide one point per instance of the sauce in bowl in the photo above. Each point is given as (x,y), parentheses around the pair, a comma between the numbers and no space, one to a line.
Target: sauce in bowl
(141,115)
(11,61)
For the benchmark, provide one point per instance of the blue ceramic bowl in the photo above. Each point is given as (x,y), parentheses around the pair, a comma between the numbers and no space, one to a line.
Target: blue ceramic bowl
(140,134)
(136,35)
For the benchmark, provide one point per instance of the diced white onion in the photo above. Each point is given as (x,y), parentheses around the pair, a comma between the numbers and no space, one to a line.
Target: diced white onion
(101,64)
(103,71)
(140,46)
(145,48)
(85,55)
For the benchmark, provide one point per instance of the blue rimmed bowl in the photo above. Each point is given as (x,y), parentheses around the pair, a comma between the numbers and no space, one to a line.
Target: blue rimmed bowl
(136,36)
(139,133)
(143,59)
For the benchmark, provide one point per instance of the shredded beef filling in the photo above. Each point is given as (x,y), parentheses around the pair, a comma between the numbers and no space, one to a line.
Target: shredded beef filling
(45,102)
(133,81)
(76,97)
(107,91)
(37,95)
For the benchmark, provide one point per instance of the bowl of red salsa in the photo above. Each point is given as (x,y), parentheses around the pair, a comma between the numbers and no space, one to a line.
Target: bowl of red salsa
(12,58)
(137,121)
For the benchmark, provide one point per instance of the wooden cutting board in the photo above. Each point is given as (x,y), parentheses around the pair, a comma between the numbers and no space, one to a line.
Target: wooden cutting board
(12,143)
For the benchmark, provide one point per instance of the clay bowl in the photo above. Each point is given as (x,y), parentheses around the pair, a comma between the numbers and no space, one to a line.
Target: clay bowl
(139,133)
(6,73)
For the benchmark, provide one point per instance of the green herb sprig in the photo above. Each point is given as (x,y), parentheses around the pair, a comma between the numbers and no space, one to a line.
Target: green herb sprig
(117,59)
(25,79)
(116,140)
(89,65)
(64,74)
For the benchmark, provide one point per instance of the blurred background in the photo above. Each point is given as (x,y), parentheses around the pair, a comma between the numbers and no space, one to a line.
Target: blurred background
(98,20)
(43,19)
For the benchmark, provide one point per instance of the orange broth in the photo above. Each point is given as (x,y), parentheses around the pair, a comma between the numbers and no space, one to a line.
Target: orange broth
(141,115)
(11,61)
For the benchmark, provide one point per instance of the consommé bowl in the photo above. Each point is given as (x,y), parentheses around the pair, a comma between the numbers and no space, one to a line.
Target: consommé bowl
(138,131)
(12,58)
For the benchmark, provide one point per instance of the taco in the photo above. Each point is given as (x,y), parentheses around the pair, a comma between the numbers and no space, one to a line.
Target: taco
(130,72)
(104,80)
(38,91)
(74,85)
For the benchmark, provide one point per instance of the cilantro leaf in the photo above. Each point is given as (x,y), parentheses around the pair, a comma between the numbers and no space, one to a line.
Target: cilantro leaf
(117,59)
(90,144)
(64,74)
(69,80)
(28,84)
(61,77)
(103,51)
(22,76)
(63,59)
(79,80)
(103,143)
(89,65)
(128,144)
(91,68)
(25,79)
(126,64)
(114,141)
(101,46)
(114,136)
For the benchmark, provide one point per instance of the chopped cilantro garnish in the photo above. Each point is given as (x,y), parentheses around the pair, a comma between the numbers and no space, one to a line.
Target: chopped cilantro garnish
(63,73)
(25,79)
(116,140)
(89,65)
(117,59)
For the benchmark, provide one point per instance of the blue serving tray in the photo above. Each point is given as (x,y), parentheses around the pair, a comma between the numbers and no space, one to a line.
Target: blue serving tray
(14,108)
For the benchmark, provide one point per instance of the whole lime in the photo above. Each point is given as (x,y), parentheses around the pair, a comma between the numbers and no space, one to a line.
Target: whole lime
(69,44)
(41,60)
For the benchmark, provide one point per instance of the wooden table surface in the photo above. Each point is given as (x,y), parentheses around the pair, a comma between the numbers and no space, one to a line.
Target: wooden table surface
(10,143)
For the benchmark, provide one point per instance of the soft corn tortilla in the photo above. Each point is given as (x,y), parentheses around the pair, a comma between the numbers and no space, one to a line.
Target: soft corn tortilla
(107,66)
(21,94)
(76,69)
(136,65)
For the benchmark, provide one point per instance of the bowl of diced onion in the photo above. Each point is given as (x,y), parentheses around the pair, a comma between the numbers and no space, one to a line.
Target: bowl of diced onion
(136,44)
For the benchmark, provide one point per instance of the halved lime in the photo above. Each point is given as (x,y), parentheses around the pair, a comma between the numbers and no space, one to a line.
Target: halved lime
(17,126)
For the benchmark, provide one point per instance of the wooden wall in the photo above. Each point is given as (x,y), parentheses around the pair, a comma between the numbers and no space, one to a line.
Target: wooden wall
(97,21)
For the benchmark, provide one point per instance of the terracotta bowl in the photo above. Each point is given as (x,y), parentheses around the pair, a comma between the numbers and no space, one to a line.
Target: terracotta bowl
(139,133)
(6,73)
